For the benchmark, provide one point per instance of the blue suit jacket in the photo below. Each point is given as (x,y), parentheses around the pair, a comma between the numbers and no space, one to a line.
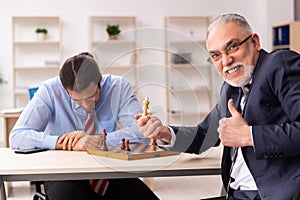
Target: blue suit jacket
(273,111)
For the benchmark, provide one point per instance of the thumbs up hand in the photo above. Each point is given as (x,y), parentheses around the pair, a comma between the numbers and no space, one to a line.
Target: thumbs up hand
(234,131)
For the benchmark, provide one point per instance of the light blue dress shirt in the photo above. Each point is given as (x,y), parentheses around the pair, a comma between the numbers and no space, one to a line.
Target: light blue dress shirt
(52,113)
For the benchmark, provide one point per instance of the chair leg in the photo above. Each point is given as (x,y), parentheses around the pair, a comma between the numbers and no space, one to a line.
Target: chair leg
(38,185)
(38,188)
(2,190)
(39,196)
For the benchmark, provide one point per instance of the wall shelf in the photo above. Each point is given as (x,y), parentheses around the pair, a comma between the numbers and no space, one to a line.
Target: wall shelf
(190,79)
(115,56)
(34,60)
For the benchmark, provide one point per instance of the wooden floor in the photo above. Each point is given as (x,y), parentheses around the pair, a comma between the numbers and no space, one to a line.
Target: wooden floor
(175,188)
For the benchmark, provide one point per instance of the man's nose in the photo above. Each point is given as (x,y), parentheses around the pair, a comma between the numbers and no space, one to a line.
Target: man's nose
(226,59)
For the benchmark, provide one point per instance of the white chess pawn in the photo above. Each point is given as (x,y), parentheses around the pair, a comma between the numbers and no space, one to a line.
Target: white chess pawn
(102,142)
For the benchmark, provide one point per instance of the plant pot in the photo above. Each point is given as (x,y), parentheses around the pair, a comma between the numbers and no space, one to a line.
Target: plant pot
(113,37)
(41,36)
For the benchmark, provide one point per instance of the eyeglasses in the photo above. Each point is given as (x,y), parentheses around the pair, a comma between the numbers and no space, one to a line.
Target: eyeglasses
(89,98)
(232,48)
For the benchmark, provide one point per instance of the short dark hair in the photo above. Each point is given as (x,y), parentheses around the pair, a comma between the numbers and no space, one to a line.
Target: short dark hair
(79,71)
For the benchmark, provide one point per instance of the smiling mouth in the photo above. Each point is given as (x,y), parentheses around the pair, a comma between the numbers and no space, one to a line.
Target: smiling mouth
(233,69)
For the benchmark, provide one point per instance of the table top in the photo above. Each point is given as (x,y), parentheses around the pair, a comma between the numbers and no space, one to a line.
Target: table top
(68,165)
(14,112)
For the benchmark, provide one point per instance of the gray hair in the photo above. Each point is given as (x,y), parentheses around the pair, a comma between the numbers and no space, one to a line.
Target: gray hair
(231,17)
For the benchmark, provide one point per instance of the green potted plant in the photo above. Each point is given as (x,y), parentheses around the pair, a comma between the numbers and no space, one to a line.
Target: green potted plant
(113,31)
(2,81)
(41,33)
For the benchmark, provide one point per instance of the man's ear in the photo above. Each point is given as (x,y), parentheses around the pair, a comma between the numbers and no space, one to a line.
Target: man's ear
(256,40)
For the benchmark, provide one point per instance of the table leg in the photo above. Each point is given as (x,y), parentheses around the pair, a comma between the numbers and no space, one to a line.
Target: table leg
(149,182)
(2,190)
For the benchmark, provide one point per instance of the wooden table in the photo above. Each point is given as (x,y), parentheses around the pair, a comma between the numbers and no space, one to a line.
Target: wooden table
(74,165)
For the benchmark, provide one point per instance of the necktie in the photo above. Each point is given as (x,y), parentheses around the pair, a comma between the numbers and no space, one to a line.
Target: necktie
(244,98)
(98,185)
(245,90)
(90,125)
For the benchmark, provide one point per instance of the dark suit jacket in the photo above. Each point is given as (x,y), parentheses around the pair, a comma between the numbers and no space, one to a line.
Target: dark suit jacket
(273,111)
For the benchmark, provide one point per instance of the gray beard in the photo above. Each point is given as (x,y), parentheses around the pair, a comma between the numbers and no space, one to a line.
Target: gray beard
(245,79)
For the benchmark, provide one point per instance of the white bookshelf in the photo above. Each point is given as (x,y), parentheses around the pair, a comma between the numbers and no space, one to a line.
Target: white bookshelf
(34,60)
(190,78)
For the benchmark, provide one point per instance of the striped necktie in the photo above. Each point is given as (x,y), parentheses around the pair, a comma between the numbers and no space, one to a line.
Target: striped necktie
(90,126)
(98,185)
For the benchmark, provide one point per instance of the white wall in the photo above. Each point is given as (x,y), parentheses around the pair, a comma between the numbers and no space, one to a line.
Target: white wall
(74,14)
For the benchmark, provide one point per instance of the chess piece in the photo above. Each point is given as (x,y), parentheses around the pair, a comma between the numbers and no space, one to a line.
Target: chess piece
(154,147)
(102,142)
(153,142)
(146,103)
(127,146)
(123,144)
(146,106)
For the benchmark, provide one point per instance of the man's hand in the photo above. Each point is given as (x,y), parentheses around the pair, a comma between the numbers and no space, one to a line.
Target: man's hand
(151,127)
(69,140)
(78,141)
(234,131)
(88,142)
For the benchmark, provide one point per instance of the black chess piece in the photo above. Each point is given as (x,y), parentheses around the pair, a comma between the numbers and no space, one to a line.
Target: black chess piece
(127,146)
(123,144)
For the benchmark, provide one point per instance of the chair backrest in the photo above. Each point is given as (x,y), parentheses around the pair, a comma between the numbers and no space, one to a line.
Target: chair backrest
(32,91)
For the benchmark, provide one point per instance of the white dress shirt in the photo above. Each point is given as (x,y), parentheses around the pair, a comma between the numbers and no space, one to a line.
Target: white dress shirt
(240,171)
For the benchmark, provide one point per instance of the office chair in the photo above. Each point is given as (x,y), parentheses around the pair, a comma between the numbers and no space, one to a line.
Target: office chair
(39,195)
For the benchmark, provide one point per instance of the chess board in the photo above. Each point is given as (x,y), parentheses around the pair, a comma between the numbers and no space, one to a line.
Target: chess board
(137,151)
